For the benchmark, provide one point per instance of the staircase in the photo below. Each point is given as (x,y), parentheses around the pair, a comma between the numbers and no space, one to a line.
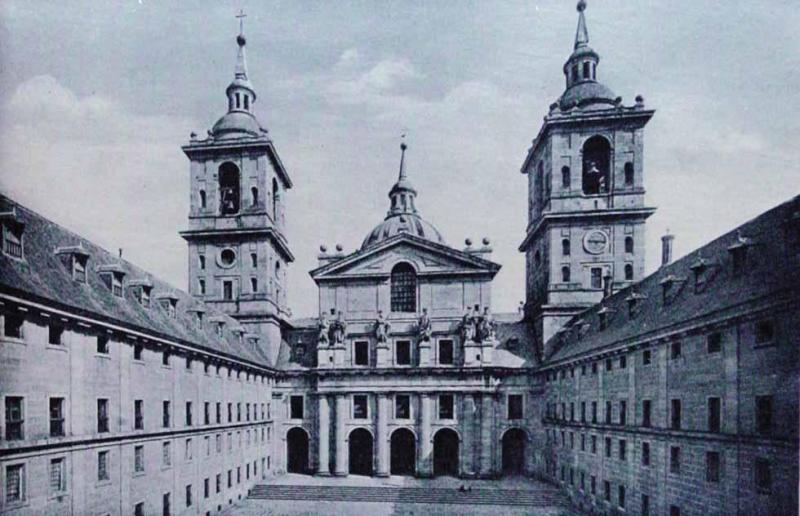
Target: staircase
(542,496)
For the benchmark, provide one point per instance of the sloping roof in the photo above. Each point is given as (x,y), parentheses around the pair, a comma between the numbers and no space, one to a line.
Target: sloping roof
(772,269)
(42,276)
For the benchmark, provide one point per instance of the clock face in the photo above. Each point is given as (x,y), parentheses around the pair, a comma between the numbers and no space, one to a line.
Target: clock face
(595,242)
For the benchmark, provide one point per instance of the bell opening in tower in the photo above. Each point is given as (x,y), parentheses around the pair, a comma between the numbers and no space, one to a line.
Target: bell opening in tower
(229,188)
(596,160)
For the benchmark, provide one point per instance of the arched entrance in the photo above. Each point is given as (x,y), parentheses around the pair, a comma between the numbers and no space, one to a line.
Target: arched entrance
(403,452)
(445,452)
(297,451)
(514,452)
(360,442)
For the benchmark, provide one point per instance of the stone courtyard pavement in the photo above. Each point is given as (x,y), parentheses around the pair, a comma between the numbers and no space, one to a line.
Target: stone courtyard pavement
(308,495)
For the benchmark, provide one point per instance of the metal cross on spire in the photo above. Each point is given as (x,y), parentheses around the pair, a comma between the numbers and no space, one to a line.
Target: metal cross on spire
(241,17)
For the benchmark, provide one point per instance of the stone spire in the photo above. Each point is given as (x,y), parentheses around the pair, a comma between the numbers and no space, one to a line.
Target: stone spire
(403,192)
(582,34)
(240,92)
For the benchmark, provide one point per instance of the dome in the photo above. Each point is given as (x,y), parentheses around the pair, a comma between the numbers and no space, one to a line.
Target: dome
(407,223)
(237,124)
(586,93)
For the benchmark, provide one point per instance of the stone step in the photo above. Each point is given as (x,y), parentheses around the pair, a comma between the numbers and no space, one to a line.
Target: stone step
(545,496)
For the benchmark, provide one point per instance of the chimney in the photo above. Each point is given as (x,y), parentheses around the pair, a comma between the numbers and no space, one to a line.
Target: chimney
(608,285)
(666,248)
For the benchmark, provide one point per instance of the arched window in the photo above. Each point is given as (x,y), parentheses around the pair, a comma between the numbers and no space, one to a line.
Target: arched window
(629,174)
(276,197)
(629,244)
(566,178)
(253,196)
(202,199)
(628,272)
(587,70)
(403,288)
(565,247)
(565,275)
(596,160)
(253,285)
(228,189)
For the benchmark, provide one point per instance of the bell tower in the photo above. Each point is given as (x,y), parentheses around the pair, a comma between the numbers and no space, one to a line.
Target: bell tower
(238,252)
(586,208)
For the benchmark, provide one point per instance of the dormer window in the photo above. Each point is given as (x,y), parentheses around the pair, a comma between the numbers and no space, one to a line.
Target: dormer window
(633,303)
(143,296)
(253,341)
(168,303)
(700,270)
(603,315)
(738,253)
(666,286)
(79,268)
(75,259)
(112,276)
(220,328)
(12,239)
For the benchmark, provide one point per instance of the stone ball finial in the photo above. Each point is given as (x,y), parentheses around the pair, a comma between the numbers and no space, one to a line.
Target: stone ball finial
(581,6)
(193,135)
(240,40)
(468,242)
(639,99)
(339,248)
(486,241)
(323,248)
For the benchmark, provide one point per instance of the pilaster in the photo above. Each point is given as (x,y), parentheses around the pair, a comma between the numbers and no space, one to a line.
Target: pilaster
(323,435)
(341,466)
(382,403)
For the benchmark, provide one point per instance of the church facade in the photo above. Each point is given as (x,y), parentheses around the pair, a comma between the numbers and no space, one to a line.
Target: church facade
(673,393)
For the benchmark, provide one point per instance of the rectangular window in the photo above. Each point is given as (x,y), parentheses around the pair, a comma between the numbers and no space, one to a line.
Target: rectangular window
(623,362)
(188,450)
(403,352)
(675,350)
(646,411)
(56,417)
(712,466)
(55,335)
(646,357)
(445,352)
(594,444)
(623,449)
(102,344)
(102,466)
(515,408)
(597,277)
(188,364)
(165,414)
(674,459)
(15,483)
(714,414)
(13,326)
(218,412)
(360,410)
(446,406)
(607,490)
(188,413)
(645,454)
(645,505)
(138,509)
(608,412)
(583,442)
(621,496)
(137,351)
(296,407)
(206,413)
(594,412)
(763,475)
(583,412)
(361,353)
(593,484)
(218,483)
(138,414)
(402,406)
(227,290)
(609,364)
(165,358)
(206,488)
(608,447)
(166,454)
(714,343)
(764,415)
(623,412)
(230,412)
(102,415)
(675,414)
(189,495)
(58,476)
(138,459)
(765,332)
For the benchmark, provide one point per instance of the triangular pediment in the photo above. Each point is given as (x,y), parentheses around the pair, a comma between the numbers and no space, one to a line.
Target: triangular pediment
(427,258)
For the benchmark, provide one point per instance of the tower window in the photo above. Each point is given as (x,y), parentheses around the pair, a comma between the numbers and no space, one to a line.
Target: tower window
(403,288)
(276,197)
(238,101)
(575,73)
(565,247)
(253,196)
(628,272)
(247,101)
(596,160)
(566,178)
(254,285)
(587,70)
(565,274)
(629,245)
(201,262)
(202,199)
(629,174)
(201,286)
(253,260)
(539,185)
(229,188)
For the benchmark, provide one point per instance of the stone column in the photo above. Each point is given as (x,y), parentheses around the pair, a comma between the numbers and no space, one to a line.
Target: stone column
(323,434)
(487,435)
(382,402)
(425,462)
(341,466)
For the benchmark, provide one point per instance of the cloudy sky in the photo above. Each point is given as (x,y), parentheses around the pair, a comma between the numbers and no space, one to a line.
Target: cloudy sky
(97,97)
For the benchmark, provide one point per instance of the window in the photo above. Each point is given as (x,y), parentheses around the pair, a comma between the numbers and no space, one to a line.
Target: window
(714,414)
(296,407)
(608,447)
(165,358)
(15,483)
(230,407)
(608,412)
(218,412)
(201,262)
(188,363)
(360,410)
(629,244)
(402,352)
(621,496)
(566,178)
(13,326)
(675,414)
(79,268)
(597,277)
(202,199)
(765,332)
(58,476)
(56,417)
(594,412)
(646,357)
(206,488)
(403,288)
(102,344)
(609,364)
(229,188)
(674,459)
(227,290)
(445,352)
(623,412)
(102,415)
(188,413)
(189,495)
(446,406)
(218,483)
(188,450)
(276,197)
(593,484)
(607,490)
(675,350)
(253,189)
(646,411)
(206,413)
(137,351)
(55,335)
(628,272)
(583,412)
(764,415)
(138,414)
(712,466)
(714,343)
(138,459)
(623,449)
(565,247)
(596,160)
(361,353)
(645,505)
(565,274)
(402,406)
(763,475)
(166,454)
(594,444)
(515,407)
(629,174)
(165,414)
(102,466)
(645,454)
(138,509)
(253,285)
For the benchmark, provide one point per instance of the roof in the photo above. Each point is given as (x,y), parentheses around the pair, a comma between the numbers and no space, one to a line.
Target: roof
(43,276)
(403,223)
(237,124)
(772,269)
